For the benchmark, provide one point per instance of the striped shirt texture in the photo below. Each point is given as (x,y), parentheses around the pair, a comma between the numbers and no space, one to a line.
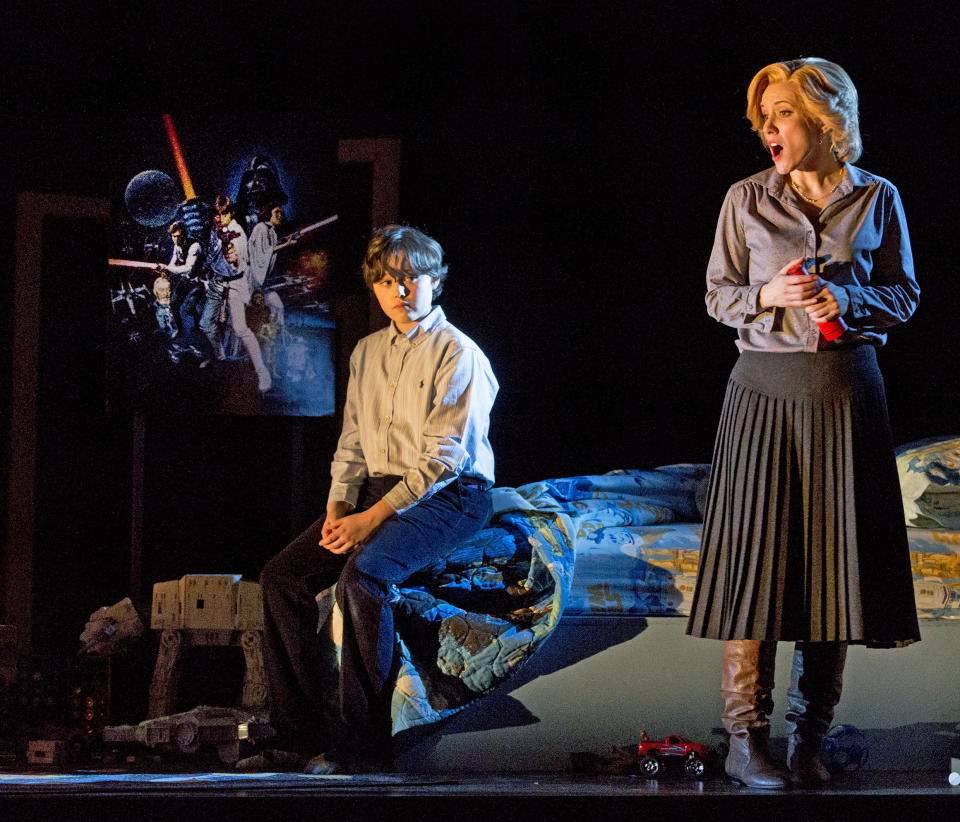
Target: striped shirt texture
(418,407)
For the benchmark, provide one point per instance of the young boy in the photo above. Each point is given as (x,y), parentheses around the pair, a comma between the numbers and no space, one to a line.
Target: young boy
(410,480)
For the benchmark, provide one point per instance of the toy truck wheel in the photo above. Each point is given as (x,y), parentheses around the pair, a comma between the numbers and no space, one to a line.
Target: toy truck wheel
(187,736)
(229,752)
(650,766)
(694,766)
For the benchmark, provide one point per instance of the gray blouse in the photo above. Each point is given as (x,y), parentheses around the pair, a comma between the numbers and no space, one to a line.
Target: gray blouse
(859,245)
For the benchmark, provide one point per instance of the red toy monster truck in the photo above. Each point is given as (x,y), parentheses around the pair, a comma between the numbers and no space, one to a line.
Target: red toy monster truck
(653,751)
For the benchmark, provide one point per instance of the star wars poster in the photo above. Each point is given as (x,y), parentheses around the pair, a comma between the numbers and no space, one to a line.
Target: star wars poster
(220,270)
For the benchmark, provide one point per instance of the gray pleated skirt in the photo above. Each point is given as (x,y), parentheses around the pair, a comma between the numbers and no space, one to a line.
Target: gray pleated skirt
(804,535)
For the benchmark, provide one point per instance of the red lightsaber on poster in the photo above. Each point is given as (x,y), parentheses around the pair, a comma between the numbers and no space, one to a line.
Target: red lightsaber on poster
(185,181)
(181,164)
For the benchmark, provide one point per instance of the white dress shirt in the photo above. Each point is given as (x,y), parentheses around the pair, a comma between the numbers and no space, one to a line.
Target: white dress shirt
(239,243)
(418,407)
(263,239)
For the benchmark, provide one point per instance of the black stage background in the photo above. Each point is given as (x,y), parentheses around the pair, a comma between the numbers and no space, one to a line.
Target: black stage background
(571,160)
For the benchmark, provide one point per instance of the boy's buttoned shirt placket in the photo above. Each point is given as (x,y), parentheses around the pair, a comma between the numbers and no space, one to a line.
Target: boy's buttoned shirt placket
(392,410)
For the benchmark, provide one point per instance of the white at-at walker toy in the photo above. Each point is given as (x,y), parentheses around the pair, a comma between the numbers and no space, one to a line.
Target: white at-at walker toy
(206,609)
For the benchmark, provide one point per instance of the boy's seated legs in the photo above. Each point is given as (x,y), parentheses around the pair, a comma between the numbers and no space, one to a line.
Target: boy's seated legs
(297,668)
(403,545)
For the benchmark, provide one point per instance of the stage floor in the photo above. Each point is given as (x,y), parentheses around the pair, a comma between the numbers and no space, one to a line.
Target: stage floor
(45,794)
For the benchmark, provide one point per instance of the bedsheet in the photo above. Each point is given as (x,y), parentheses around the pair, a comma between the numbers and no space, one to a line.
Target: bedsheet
(646,570)
(622,543)
(652,571)
(468,623)
(935,560)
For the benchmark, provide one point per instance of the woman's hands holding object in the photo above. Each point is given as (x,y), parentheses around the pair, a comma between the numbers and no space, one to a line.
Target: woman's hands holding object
(790,290)
(826,309)
(806,291)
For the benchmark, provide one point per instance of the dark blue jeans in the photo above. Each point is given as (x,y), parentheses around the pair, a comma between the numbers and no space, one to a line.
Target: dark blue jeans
(294,658)
(188,311)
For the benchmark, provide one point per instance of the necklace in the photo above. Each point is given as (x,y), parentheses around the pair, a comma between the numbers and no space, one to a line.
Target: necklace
(843,170)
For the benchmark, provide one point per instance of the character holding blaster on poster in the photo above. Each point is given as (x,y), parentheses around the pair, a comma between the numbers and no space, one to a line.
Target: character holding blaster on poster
(225,264)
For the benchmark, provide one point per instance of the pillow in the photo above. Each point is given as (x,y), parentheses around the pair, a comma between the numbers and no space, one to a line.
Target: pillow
(930,482)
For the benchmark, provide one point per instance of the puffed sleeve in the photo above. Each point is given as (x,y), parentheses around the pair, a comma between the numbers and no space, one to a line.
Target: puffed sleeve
(731,299)
(888,293)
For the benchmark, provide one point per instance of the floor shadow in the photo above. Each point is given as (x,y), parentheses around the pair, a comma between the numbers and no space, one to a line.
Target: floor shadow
(922,746)
(573,640)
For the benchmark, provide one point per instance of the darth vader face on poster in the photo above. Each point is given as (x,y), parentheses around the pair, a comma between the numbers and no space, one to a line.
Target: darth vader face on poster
(214,306)
(259,186)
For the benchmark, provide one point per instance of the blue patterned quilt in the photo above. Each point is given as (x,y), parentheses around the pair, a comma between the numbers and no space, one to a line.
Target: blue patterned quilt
(466,625)
(626,542)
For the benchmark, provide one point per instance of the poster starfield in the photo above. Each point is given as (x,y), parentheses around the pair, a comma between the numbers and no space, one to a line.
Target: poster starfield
(220,270)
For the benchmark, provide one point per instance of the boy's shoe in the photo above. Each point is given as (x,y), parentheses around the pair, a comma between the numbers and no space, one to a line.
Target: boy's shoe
(271,760)
(339,762)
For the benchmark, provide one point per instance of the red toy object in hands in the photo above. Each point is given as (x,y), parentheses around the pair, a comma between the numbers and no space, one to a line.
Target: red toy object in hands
(834,328)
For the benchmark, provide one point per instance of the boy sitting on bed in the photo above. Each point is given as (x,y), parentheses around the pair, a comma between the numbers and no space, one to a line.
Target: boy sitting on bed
(410,480)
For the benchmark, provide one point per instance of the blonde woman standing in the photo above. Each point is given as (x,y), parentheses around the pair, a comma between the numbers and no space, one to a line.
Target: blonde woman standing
(804,538)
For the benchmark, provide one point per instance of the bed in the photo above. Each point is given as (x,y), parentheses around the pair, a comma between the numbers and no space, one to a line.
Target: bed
(561,628)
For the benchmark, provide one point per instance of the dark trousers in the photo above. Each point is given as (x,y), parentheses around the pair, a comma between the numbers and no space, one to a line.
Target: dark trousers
(294,654)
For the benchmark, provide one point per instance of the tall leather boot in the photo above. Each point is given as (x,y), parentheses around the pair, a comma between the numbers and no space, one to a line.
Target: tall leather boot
(747,689)
(816,680)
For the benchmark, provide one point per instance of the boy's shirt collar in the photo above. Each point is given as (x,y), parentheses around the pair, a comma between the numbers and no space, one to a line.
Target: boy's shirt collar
(425,326)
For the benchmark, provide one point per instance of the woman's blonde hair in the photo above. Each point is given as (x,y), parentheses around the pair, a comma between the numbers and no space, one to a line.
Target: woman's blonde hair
(826,93)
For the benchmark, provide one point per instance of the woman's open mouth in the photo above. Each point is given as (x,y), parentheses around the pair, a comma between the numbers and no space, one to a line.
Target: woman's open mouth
(775,151)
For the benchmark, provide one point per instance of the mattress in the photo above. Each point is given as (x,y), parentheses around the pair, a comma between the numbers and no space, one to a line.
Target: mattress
(652,570)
